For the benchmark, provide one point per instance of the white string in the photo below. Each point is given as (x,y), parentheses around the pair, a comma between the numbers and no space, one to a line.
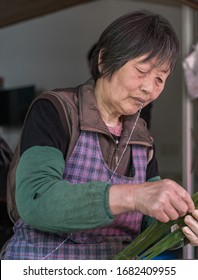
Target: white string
(50,253)
(114,171)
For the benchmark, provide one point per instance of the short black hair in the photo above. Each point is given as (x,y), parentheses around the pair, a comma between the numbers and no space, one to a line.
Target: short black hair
(90,53)
(133,35)
(90,56)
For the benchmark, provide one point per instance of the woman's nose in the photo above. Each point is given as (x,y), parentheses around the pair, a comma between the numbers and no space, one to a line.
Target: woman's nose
(147,84)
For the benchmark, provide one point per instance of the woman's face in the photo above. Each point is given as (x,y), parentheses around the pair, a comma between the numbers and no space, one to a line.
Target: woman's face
(134,85)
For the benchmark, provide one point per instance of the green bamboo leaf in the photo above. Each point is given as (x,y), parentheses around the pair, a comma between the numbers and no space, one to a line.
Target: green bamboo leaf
(195,199)
(164,244)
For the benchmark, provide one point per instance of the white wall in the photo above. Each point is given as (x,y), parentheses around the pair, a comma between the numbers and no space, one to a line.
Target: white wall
(50,52)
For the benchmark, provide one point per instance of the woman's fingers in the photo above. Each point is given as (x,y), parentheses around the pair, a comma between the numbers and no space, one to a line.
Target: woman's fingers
(186,198)
(164,200)
(191,236)
(192,221)
(191,230)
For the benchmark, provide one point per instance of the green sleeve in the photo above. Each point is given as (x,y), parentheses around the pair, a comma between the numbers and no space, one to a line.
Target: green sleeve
(154,179)
(49,203)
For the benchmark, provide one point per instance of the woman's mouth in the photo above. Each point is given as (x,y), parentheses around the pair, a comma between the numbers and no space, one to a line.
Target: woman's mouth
(139,100)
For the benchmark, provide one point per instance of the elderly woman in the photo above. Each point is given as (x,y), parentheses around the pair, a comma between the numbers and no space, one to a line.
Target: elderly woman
(89,202)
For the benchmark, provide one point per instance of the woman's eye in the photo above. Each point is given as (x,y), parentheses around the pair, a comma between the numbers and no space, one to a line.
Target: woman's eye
(141,71)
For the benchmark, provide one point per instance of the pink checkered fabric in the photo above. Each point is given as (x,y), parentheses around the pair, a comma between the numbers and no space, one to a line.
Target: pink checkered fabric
(86,164)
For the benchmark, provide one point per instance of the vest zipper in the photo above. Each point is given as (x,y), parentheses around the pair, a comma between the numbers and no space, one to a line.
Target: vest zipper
(116,151)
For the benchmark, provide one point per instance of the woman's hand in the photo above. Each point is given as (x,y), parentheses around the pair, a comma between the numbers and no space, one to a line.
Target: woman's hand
(191,228)
(163,200)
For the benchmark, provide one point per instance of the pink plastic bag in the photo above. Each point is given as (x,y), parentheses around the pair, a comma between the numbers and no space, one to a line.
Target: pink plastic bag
(190,66)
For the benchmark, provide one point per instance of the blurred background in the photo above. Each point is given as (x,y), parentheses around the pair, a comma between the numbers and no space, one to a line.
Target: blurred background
(44,45)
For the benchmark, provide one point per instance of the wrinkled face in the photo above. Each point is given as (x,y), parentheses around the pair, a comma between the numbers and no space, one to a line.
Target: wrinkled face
(135,84)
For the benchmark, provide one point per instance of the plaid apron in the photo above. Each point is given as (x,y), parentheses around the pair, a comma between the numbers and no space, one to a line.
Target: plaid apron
(85,164)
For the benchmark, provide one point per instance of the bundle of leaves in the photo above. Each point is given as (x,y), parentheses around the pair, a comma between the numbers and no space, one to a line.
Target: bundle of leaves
(154,239)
